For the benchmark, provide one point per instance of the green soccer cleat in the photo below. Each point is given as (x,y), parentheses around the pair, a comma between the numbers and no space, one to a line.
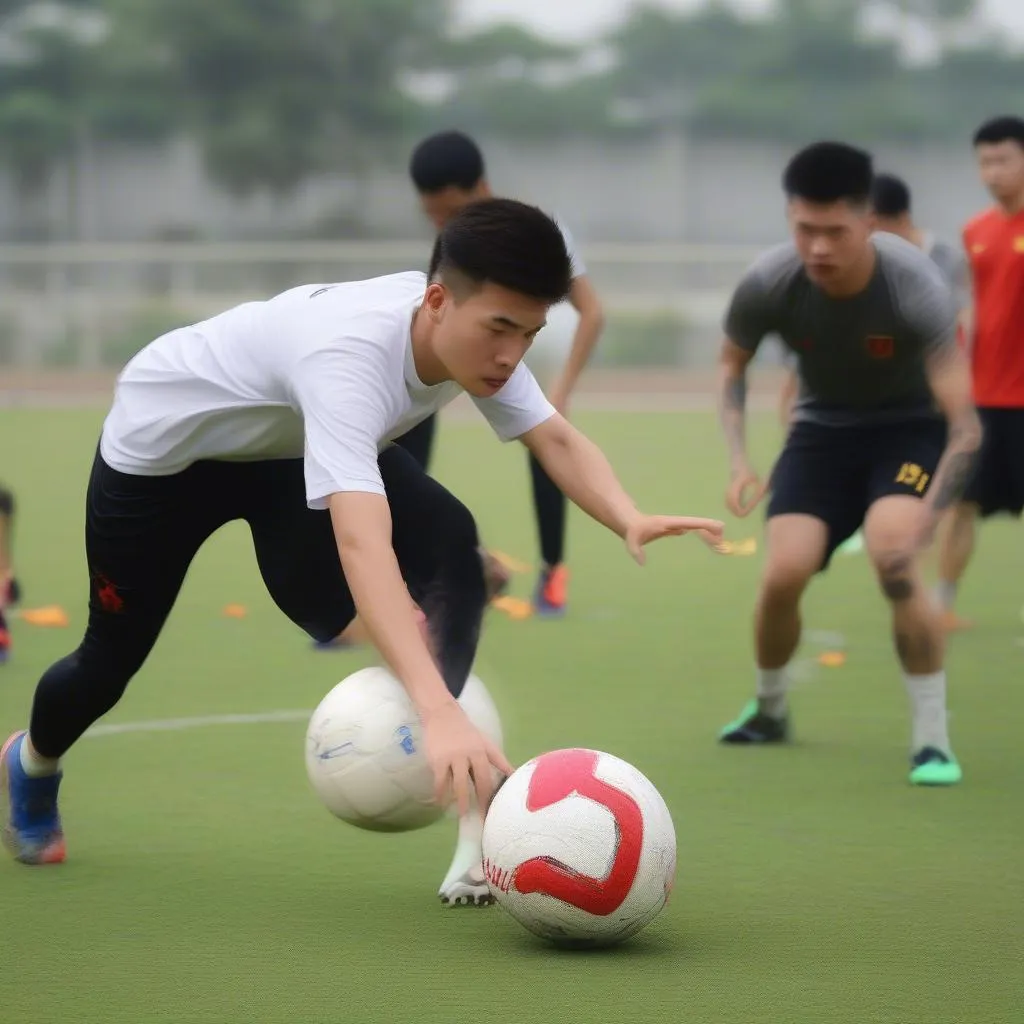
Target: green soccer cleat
(853,545)
(931,767)
(754,727)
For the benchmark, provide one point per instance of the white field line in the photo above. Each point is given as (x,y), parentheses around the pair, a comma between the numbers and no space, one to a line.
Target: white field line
(180,724)
(803,671)
(207,721)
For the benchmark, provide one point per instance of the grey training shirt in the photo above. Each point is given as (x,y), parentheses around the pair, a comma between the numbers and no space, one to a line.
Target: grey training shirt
(861,359)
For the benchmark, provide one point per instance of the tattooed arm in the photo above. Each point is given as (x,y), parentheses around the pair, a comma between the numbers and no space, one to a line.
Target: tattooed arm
(751,316)
(950,378)
(732,399)
(745,489)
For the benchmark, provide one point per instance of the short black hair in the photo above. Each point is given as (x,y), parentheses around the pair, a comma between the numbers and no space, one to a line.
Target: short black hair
(1000,129)
(890,196)
(507,243)
(445,160)
(827,172)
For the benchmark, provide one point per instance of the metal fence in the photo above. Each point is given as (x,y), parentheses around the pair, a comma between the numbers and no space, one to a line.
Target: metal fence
(92,306)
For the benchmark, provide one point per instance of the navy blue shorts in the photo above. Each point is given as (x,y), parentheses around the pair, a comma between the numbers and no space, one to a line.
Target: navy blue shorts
(998,481)
(837,473)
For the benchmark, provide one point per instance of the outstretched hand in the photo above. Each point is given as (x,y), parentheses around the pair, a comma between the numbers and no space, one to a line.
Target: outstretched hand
(645,529)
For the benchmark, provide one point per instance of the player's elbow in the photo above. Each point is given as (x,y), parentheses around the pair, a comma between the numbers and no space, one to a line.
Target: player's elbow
(593,315)
(732,360)
(550,438)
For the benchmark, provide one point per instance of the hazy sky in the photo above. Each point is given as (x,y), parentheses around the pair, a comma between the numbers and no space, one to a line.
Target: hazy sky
(578,18)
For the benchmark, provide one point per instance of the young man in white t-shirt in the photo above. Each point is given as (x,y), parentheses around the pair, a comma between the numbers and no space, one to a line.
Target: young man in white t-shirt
(448,172)
(276,411)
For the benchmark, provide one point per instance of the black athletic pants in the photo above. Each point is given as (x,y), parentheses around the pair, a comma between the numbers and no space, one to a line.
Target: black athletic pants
(548,500)
(141,534)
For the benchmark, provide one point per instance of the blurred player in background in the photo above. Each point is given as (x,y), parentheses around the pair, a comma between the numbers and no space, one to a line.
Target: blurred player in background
(8,584)
(873,324)
(891,204)
(448,172)
(994,241)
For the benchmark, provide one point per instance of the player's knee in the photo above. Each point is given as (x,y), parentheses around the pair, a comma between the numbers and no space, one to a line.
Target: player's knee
(113,658)
(785,580)
(6,502)
(96,682)
(895,569)
(324,631)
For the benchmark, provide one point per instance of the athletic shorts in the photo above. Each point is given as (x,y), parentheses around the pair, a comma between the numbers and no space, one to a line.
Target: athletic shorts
(998,481)
(837,473)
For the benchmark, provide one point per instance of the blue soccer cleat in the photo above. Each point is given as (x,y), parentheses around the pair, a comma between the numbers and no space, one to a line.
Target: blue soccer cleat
(31,828)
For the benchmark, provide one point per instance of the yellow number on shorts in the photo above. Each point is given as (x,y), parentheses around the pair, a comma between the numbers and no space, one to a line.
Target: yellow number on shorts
(914,476)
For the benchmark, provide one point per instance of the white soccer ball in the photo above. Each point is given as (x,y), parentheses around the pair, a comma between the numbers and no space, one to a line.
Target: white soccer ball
(364,751)
(579,848)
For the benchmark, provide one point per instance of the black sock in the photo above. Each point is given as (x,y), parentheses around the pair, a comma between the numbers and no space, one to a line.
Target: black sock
(549,506)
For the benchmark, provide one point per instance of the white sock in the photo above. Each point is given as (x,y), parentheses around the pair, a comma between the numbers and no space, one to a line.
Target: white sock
(945,594)
(468,850)
(928,711)
(771,691)
(35,766)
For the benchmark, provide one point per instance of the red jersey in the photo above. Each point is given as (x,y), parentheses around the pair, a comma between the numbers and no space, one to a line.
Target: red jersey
(994,244)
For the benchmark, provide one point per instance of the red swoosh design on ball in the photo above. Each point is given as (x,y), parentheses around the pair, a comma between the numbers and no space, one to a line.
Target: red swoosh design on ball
(559,775)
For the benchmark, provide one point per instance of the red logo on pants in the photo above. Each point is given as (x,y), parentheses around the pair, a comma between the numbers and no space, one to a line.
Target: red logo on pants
(107,594)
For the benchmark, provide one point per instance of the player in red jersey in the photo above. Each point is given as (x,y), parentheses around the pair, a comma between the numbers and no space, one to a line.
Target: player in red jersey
(994,242)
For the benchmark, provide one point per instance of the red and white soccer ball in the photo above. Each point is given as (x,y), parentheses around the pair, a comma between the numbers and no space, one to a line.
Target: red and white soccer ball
(580,848)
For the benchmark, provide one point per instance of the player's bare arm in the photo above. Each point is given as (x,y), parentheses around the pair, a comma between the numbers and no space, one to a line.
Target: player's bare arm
(362,526)
(787,397)
(586,477)
(745,488)
(950,378)
(585,300)
(965,316)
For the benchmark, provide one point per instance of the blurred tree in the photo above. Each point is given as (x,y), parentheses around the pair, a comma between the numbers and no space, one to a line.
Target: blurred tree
(279,89)
(663,62)
(934,11)
(70,75)
(508,80)
(808,70)
(500,50)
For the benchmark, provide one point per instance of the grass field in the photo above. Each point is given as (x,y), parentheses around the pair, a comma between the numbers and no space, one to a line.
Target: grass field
(205,883)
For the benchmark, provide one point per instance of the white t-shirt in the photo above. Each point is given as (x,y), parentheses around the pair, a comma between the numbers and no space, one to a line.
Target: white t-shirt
(324,372)
(551,347)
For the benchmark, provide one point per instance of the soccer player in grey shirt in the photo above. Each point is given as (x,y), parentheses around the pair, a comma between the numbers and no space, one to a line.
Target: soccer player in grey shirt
(884,434)
(891,204)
